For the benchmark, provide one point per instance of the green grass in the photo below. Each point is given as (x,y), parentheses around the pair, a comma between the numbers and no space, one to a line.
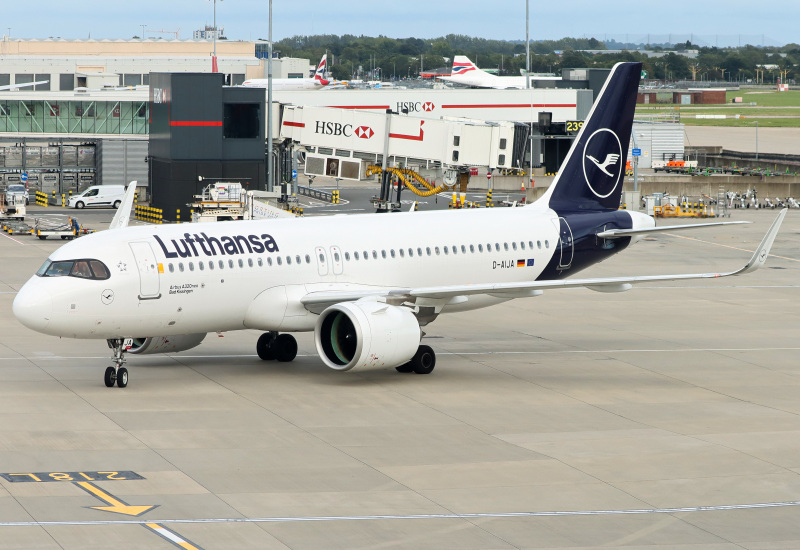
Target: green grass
(744,122)
(772,109)
(770,98)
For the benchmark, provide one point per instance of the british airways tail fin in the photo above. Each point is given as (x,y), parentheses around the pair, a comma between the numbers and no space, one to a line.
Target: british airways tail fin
(463,67)
(319,74)
(592,174)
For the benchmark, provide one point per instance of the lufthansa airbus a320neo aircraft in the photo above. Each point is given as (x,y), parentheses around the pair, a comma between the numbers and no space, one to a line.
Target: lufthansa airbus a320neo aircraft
(365,284)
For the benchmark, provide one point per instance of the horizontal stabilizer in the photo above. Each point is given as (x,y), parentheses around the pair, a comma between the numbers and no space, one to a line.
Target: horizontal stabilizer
(619,233)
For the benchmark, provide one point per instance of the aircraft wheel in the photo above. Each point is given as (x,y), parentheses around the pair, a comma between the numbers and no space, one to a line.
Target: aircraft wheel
(285,348)
(424,360)
(122,377)
(264,346)
(110,377)
(405,368)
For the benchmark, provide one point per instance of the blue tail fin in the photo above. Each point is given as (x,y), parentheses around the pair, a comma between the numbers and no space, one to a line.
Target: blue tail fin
(592,174)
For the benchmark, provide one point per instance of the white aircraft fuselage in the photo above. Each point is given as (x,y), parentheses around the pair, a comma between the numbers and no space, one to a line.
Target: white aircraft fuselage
(212,277)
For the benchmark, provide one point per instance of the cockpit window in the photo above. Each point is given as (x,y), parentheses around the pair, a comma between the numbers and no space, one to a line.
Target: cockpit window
(99,269)
(59,269)
(44,267)
(83,269)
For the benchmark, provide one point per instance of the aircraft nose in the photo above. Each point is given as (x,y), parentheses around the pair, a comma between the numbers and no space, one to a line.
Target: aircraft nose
(33,307)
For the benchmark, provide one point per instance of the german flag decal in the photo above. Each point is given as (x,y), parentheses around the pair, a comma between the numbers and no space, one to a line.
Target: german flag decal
(520,263)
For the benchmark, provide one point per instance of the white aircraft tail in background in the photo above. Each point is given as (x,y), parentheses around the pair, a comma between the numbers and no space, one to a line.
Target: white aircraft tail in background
(466,73)
(286,84)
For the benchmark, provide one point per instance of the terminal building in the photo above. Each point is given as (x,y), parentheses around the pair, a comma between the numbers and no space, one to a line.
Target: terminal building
(92,122)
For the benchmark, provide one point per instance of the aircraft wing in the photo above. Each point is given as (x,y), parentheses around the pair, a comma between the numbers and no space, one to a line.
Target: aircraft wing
(317,301)
(123,215)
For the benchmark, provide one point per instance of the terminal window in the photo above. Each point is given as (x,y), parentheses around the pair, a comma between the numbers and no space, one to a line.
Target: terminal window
(241,121)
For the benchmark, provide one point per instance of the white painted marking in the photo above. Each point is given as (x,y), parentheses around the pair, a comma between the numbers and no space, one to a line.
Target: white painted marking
(12,238)
(289,519)
(166,533)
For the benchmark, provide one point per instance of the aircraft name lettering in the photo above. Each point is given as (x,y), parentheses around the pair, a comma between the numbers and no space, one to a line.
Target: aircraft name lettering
(333,129)
(187,288)
(195,245)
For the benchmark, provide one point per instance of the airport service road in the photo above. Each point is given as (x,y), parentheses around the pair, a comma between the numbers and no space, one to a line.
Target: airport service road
(661,416)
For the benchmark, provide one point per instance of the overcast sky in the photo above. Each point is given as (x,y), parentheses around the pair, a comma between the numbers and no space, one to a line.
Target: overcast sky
(708,22)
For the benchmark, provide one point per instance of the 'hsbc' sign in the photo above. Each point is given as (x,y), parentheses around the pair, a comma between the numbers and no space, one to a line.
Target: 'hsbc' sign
(339,129)
(415,106)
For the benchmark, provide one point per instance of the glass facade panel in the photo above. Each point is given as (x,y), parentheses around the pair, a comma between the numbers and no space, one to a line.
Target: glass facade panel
(131,80)
(65,117)
(40,78)
(66,81)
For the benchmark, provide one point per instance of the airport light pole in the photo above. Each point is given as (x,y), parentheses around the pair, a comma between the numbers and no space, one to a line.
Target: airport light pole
(756,141)
(527,44)
(214,63)
(270,163)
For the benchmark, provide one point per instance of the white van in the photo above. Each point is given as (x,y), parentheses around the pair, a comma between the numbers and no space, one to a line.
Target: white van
(98,195)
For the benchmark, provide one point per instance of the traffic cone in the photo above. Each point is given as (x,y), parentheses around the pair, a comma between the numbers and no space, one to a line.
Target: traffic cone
(522,185)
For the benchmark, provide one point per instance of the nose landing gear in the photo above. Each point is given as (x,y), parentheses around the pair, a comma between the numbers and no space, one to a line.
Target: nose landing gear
(116,373)
(282,347)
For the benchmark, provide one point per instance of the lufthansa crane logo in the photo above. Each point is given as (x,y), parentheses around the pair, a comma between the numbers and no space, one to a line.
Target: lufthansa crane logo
(602,165)
(364,132)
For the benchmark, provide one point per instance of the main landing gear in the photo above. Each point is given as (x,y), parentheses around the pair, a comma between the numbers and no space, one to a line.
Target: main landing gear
(423,362)
(116,373)
(280,347)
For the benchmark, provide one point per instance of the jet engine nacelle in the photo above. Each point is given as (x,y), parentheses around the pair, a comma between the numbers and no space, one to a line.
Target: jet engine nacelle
(166,344)
(366,335)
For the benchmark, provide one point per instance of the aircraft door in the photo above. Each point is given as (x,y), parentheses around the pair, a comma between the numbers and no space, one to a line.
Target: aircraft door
(336,261)
(322,260)
(149,279)
(566,244)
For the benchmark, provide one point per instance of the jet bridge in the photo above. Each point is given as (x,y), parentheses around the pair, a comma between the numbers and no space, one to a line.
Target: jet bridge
(344,143)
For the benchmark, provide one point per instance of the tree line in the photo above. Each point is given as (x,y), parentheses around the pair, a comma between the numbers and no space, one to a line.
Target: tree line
(398,58)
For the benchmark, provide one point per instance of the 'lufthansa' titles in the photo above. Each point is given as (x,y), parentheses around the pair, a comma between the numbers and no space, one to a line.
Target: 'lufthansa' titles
(195,245)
